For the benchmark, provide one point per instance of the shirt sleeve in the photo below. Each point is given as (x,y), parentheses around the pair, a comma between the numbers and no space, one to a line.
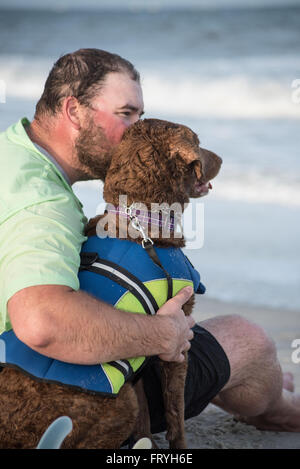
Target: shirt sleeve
(40,245)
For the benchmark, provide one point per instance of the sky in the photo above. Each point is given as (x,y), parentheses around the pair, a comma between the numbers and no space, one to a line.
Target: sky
(69,4)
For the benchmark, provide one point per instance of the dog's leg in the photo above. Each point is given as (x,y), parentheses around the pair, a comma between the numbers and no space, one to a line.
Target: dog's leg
(143,428)
(172,381)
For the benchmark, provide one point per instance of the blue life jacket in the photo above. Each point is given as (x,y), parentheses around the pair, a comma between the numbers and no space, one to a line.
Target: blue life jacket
(121,273)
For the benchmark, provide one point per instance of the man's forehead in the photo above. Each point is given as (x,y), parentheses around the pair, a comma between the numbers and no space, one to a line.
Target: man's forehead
(119,83)
(122,90)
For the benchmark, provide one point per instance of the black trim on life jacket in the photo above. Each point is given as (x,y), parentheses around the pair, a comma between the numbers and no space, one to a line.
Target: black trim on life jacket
(93,263)
(121,366)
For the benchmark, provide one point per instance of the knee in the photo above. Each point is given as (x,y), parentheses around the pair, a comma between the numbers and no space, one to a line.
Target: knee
(255,370)
(246,344)
(253,337)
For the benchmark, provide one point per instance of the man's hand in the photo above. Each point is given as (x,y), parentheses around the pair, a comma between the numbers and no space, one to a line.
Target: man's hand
(179,330)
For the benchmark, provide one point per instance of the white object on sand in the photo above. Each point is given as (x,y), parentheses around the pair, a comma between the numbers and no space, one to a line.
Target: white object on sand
(143,443)
(60,429)
(56,433)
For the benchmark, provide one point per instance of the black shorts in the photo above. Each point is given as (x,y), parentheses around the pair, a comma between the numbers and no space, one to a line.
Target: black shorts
(208,372)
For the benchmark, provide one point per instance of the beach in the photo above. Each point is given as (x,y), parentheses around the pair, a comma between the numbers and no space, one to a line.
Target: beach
(216,429)
(226,70)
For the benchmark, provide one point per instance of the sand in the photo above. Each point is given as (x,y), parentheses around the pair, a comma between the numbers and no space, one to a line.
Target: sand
(215,429)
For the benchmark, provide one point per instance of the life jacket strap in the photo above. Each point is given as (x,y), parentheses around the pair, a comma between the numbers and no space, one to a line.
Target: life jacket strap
(148,246)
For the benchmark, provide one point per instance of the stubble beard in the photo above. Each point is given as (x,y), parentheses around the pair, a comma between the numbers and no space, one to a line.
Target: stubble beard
(93,152)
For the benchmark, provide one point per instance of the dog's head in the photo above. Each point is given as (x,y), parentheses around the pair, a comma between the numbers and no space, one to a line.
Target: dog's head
(159,161)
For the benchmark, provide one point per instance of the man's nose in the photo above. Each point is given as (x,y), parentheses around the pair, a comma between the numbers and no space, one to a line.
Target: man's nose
(134,119)
(131,121)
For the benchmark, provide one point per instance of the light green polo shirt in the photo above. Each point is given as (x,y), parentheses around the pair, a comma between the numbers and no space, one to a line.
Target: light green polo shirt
(41,220)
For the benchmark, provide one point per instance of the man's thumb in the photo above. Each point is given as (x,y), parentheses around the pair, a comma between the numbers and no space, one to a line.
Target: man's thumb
(184,294)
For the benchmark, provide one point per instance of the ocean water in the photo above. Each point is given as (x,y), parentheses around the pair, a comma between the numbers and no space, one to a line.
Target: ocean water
(231,74)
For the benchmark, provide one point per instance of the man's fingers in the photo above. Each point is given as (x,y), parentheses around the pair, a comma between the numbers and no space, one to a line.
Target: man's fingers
(180,325)
(187,347)
(183,295)
(191,321)
(181,358)
(191,335)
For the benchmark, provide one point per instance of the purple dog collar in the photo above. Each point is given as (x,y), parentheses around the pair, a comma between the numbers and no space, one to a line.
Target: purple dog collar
(145,217)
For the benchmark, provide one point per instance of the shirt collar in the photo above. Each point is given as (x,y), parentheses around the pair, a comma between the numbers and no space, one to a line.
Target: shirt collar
(50,157)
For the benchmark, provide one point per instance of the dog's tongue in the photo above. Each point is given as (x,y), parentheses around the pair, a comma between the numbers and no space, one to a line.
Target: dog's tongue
(203,188)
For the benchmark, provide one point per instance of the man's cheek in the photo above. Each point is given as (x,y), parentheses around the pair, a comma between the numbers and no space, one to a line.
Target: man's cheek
(115,133)
(107,122)
(113,126)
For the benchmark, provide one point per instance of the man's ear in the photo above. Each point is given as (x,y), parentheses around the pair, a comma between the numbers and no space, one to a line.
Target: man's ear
(72,112)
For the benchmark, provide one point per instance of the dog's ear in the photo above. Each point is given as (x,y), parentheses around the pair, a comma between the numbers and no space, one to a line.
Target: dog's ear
(90,229)
(197,169)
(189,154)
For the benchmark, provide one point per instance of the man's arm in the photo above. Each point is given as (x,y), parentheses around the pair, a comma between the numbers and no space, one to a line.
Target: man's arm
(73,326)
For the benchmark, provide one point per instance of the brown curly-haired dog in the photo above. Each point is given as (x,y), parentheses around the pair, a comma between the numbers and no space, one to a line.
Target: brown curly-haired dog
(156,162)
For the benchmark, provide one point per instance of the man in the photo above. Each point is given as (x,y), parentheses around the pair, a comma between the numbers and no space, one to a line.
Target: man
(90,98)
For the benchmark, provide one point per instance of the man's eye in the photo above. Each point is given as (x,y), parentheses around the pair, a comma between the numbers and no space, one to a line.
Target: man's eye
(126,113)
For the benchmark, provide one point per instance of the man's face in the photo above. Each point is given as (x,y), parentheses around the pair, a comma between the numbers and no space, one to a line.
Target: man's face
(118,105)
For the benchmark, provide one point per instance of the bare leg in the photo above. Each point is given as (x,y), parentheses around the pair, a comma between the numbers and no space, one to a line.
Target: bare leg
(255,392)
(288,381)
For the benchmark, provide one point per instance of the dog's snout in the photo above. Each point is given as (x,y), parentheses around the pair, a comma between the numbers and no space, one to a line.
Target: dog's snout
(211,164)
(219,161)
